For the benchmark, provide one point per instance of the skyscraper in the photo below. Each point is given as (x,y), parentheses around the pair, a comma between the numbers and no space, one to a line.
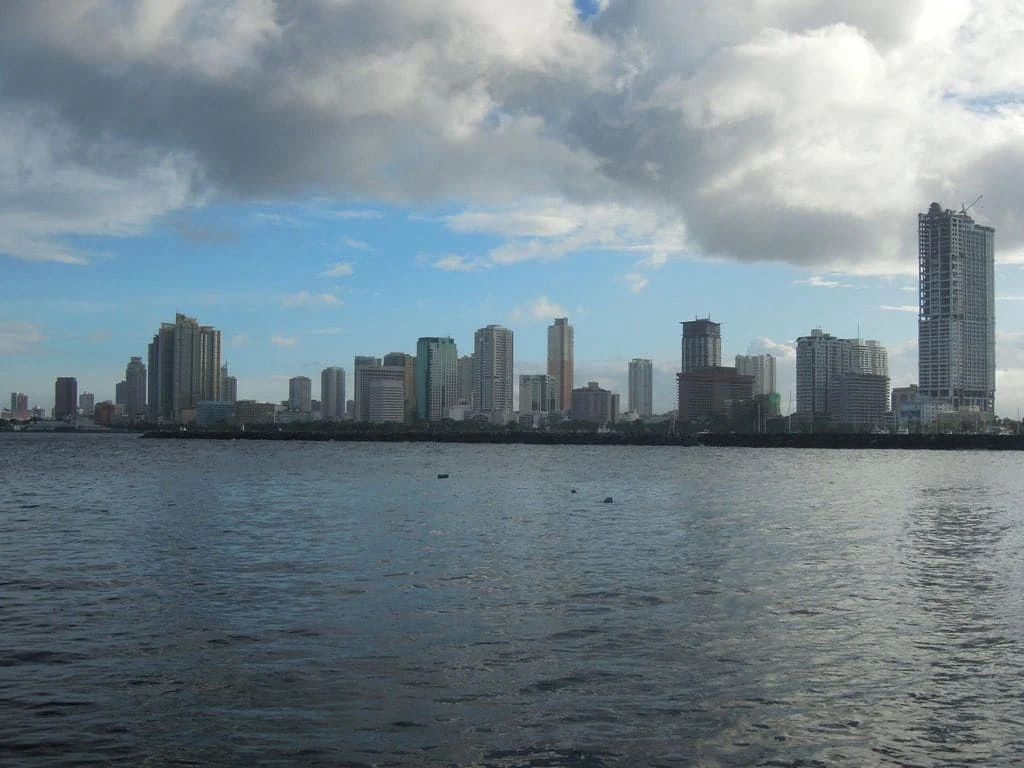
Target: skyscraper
(135,389)
(65,398)
(228,386)
(641,387)
(762,368)
(19,405)
(560,360)
(465,366)
(492,370)
(702,345)
(956,315)
(300,393)
(184,367)
(360,385)
(87,403)
(332,393)
(437,382)
(537,393)
(407,363)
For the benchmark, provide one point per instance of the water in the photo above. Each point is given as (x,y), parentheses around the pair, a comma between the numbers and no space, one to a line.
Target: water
(247,603)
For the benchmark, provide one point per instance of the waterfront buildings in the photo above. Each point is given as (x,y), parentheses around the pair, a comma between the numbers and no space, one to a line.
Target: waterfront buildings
(560,360)
(249,412)
(822,362)
(701,345)
(211,413)
(134,400)
(762,368)
(712,391)
(956,316)
(492,372)
(184,368)
(407,363)
(538,393)
(594,404)
(332,393)
(437,383)
(300,394)
(901,396)
(65,398)
(385,393)
(640,390)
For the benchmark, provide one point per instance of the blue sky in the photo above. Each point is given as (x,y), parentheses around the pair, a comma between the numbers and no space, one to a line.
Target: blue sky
(626,167)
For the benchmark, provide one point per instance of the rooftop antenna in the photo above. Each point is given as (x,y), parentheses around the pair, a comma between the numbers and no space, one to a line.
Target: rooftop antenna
(965,208)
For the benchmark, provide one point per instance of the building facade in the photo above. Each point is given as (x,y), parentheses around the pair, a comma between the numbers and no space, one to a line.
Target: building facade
(492,371)
(361,371)
(134,389)
(300,394)
(712,391)
(86,403)
(332,393)
(560,360)
(640,389)
(19,405)
(861,400)
(465,373)
(702,345)
(538,393)
(593,404)
(228,386)
(956,316)
(385,394)
(762,368)
(407,363)
(437,384)
(65,398)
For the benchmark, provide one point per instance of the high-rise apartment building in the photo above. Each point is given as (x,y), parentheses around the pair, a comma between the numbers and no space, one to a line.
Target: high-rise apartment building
(560,360)
(65,398)
(300,394)
(702,345)
(332,393)
(492,370)
(956,315)
(385,393)
(465,374)
(228,386)
(593,404)
(362,366)
(135,389)
(641,387)
(184,368)
(407,363)
(762,368)
(437,382)
(537,393)
(86,403)
(19,405)
(821,361)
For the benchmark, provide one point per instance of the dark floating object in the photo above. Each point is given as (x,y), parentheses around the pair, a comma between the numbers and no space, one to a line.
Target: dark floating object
(573,491)
(442,476)
(607,499)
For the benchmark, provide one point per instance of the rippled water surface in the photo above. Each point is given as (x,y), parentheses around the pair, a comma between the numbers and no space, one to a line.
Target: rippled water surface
(243,603)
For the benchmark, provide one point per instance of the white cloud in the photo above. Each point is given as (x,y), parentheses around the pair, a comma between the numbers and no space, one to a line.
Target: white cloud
(458,264)
(542,308)
(280,340)
(816,281)
(636,282)
(307,299)
(332,331)
(354,244)
(909,308)
(338,269)
(18,338)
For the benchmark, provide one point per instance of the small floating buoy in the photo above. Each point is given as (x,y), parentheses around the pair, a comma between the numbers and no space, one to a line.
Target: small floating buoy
(442,476)
(573,491)
(607,499)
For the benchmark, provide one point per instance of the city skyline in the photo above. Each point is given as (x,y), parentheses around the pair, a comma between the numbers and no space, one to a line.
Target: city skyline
(342,207)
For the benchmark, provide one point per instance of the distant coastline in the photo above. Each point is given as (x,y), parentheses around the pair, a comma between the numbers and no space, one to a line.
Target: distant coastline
(718,440)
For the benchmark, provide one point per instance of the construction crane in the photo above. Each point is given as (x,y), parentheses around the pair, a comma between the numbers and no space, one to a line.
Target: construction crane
(965,208)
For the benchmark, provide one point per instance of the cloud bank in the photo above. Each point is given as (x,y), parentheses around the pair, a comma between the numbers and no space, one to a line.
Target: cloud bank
(750,130)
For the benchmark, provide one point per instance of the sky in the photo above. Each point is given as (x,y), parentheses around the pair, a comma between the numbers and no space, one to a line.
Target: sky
(321,179)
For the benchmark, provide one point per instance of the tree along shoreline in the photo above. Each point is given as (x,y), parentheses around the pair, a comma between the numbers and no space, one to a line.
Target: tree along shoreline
(722,440)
